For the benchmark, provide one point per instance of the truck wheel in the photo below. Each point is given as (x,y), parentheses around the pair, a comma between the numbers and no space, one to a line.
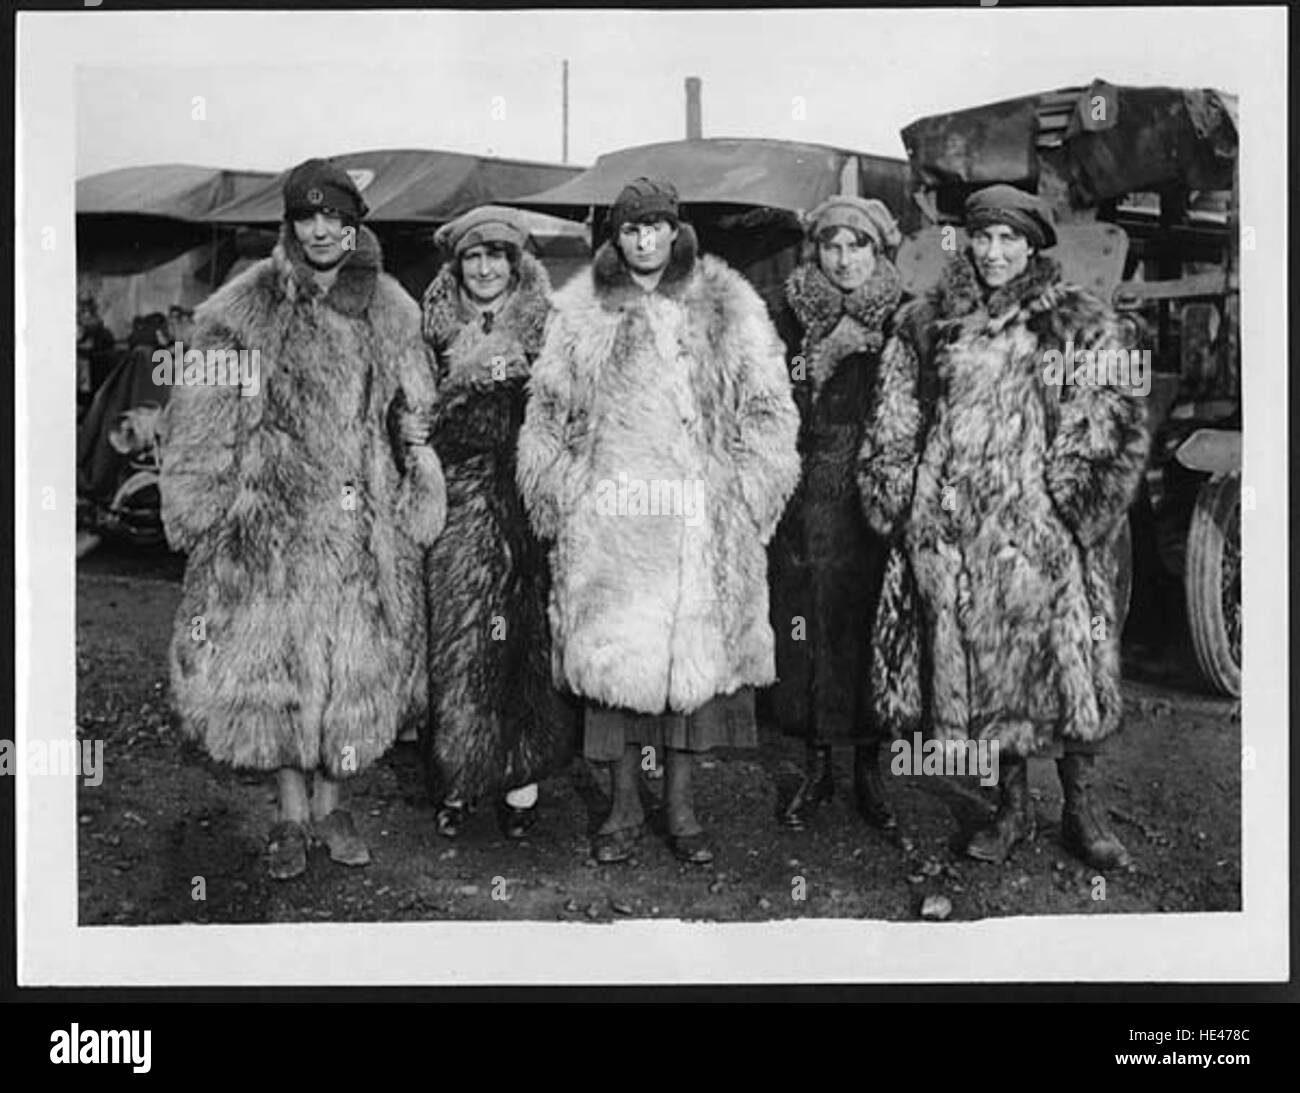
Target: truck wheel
(1213,581)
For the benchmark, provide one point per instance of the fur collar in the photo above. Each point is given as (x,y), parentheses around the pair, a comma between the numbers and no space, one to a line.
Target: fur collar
(523,315)
(840,324)
(960,292)
(354,287)
(614,285)
(819,305)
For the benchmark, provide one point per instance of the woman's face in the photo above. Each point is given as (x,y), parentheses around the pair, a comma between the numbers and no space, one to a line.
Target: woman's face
(485,272)
(321,236)
(1001,253)
(647,246)
(846,259)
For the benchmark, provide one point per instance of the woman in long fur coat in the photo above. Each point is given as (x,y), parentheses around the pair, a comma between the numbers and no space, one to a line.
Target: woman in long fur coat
(826,562)
(1004,490)
(298,645)
(657,455)
(497,722)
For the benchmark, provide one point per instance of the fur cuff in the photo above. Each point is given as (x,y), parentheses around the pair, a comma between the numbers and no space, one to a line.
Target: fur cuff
(1092,500)
(422,497)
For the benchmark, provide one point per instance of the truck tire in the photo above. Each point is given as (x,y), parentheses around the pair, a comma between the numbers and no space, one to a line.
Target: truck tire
(1212,578)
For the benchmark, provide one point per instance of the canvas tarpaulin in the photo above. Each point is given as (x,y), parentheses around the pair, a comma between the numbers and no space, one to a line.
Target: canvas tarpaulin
(411,186)
(743,196)
(1157,137)
(410,192)
(778,174)
(1105,140)
(140,246)
(994,143)
(178,191)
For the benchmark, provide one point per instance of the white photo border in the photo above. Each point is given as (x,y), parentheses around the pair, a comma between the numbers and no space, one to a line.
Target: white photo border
(53,950)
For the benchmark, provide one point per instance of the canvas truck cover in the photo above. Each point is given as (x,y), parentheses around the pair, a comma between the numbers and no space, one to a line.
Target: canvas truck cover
(732,171)
(174,190)
(742,195)
(411,186)
(141,245)
(1105,139)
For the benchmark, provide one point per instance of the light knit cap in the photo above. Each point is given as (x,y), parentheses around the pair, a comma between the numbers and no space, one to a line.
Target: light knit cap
(859,214)
(486,224)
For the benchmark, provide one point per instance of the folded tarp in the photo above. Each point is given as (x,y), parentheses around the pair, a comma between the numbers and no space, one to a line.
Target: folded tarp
(1108,141)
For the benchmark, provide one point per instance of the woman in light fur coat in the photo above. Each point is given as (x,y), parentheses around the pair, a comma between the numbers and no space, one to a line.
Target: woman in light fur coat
(1004,490)
(299,642)
(497,723)
(826,561)
(657,455)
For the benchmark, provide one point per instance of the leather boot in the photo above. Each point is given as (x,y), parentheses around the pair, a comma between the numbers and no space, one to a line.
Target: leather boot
(869,788)
(1083,827)
(818,787)
(1014,821)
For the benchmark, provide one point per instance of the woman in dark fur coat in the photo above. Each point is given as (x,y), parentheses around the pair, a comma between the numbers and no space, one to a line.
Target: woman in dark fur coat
(826,561)
(298,645)
(498,724)
(1003,489)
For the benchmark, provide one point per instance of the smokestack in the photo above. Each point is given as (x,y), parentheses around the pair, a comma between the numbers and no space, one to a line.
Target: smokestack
(564,146)
(694,129)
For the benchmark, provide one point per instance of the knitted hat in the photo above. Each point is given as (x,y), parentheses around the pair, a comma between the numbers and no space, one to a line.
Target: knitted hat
(486,224)
(866,215)
(1027,213)
(318,185)
(644,198)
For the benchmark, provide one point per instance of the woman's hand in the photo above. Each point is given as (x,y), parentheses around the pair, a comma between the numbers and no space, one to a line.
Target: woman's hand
(413,428)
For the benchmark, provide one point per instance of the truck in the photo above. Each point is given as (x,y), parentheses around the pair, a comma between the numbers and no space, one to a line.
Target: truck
(1144,183)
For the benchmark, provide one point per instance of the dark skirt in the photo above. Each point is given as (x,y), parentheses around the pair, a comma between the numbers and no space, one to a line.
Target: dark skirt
(825,568)
(726,721)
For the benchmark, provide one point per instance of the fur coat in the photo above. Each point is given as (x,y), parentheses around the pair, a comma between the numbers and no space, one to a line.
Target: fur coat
(1004,495)
(656,457)
(826,562)
(497,722)
(299,641)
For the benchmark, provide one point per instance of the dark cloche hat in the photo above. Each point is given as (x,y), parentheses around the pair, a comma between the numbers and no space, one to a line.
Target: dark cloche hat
(318,185)
(1028,213)
(644,198)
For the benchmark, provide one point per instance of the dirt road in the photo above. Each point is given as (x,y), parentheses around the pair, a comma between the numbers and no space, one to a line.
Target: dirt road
(165,816)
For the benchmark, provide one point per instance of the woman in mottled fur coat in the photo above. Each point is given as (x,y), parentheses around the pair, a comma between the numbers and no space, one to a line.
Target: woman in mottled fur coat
(1003,491)
(656,457)
(299,642)
(497,722)
(826,561)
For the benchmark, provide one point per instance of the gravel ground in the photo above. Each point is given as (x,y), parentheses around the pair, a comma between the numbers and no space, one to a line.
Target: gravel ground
(164,816)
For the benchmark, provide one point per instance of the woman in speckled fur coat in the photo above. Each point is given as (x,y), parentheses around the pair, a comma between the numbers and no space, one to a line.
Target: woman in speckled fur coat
(1003,490)
(497,722)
